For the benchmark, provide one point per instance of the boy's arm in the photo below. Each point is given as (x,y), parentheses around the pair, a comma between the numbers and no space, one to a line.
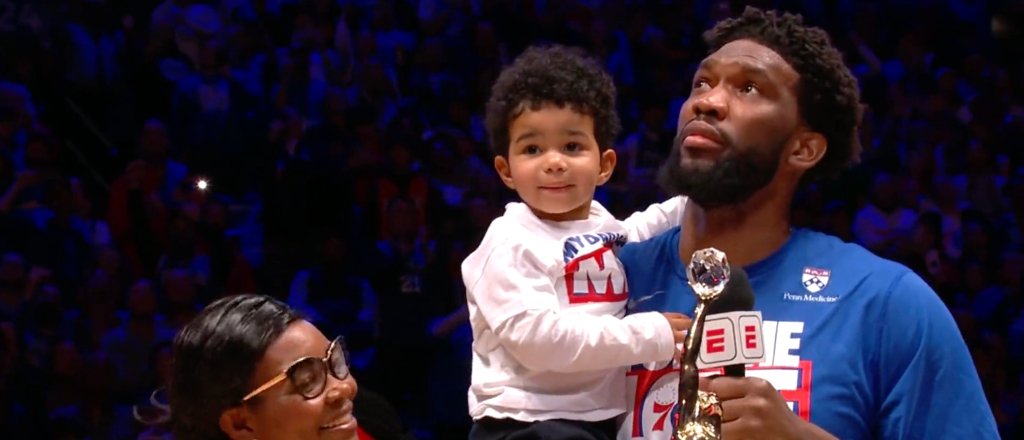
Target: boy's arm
(510,291)
(657,219)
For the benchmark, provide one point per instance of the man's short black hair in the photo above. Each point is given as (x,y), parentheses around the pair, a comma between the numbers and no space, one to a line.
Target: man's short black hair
(558,75)
(827,92)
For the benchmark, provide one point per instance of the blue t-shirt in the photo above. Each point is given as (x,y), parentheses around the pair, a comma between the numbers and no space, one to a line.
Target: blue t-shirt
(857,345)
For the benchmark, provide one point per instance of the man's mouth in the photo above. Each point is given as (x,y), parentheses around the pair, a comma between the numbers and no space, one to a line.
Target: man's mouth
(701,135)
(697,141)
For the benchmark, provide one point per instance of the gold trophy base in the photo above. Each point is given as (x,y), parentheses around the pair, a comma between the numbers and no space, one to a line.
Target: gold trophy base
(706,421)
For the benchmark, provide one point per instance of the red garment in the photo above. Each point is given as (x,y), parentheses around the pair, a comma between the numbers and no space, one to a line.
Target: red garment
(119,222)
(418,190)
(362,435)
(117,210)
(241,279)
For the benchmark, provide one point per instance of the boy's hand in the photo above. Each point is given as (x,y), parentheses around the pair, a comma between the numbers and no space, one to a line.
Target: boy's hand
(680,324)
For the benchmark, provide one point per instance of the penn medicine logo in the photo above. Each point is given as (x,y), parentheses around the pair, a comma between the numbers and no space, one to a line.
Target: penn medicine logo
(814,279)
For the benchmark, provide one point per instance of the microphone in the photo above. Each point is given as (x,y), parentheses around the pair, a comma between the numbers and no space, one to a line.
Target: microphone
(733,336)
(738,296)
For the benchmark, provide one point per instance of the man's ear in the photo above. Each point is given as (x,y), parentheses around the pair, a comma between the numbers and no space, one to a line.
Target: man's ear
(608,161)
(235,423)
(808,149)
(504,171)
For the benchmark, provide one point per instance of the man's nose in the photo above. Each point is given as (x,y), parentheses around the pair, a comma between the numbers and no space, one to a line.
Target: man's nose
(711,104)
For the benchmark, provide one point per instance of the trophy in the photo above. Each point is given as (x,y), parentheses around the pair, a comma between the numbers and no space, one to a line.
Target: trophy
(700,413)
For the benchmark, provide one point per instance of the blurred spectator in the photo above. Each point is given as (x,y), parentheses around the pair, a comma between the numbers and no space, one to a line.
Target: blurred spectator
(157,155)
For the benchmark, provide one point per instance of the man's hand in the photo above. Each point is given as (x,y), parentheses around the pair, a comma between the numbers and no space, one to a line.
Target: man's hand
(753,409)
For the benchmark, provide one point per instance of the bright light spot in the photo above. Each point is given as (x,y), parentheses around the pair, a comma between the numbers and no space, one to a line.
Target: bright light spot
(202,184)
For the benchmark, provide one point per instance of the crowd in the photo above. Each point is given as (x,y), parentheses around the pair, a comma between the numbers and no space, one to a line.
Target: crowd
(342,154)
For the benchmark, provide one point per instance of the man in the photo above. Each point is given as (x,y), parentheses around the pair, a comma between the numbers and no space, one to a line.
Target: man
(857,347)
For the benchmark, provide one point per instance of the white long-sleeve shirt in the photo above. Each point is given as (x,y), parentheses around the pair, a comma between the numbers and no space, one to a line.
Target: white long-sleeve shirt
(546,303)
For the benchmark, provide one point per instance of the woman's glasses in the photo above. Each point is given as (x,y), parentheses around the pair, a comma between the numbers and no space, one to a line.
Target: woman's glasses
(309,375)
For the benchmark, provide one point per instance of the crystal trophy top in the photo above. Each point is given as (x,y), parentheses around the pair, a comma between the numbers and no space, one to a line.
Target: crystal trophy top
(700,412)
(708,272)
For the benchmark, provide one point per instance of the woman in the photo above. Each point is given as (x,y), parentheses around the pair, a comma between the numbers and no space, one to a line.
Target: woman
(248,367)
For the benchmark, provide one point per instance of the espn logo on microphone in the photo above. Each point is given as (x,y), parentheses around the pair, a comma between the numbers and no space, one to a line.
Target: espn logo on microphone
(732,338)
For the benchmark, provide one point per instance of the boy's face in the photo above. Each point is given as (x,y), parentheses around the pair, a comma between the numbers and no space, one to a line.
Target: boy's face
(554,162)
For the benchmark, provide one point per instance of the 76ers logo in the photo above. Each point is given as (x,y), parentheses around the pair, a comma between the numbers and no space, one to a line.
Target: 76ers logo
(653,389)
(592,272)
(654,411)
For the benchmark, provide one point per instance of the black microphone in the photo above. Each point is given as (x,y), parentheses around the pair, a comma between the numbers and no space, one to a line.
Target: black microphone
(738,296)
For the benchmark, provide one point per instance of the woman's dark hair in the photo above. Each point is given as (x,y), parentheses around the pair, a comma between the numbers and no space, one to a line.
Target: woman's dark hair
(827,92)
(557,75)
(215,356)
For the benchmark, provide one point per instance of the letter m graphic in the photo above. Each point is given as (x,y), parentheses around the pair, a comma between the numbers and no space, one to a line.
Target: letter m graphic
(588,278)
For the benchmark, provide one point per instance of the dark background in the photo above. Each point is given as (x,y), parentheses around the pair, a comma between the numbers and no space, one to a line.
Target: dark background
(349,175)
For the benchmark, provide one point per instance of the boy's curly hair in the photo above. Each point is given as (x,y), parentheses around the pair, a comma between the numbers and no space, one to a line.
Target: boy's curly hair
(558,75)
(827,92)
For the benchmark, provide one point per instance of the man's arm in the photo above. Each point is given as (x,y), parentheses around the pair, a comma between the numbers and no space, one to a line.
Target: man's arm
(511,290)
(927,380)
(655,220)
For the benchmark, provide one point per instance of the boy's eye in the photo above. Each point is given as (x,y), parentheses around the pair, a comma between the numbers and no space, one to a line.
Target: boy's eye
(532,149)
(572,146)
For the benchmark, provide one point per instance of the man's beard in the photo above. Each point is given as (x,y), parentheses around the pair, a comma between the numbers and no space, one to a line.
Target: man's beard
(730,181)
